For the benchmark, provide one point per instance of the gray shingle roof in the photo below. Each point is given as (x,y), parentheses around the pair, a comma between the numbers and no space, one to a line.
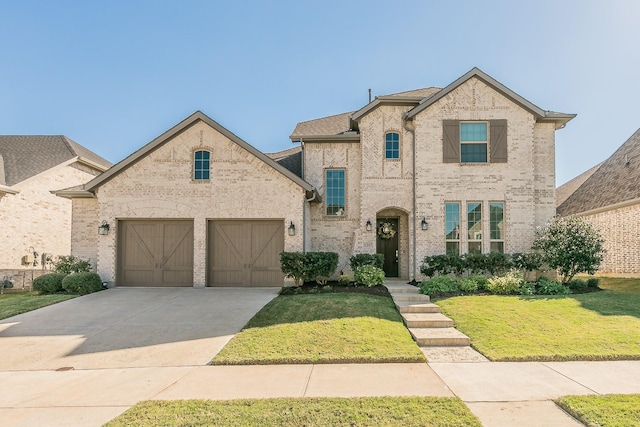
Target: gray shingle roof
(568,188)
(24,156)
(290,159)
(616,181)
(332,125)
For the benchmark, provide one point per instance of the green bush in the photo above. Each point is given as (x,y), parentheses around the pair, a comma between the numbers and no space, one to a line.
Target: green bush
(480,280)
(293,265)
(368,275)
(468,285)
(358,260)
(578,285)
(441,265)
(439,285)
(82,283)
(549,287)
(497,263)
(506,284)
(344,280)
(527,288)
(70,264)
(320,266)
(49,283)
(593,282)
(530,261)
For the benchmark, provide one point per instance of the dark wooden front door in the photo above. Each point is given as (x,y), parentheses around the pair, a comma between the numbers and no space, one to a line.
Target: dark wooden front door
(388,246)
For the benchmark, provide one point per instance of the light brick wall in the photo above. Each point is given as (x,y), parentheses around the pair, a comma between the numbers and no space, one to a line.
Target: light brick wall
(526,183)
(620,230)
(36,218)
(160,186)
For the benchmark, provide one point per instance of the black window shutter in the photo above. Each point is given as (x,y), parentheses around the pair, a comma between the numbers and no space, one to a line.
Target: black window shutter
(498,132)
(451,141)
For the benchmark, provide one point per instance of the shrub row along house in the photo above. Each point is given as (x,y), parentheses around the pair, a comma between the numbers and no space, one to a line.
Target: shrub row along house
(466,168)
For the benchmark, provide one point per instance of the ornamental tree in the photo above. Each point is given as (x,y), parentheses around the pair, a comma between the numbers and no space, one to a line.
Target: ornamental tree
(571,245)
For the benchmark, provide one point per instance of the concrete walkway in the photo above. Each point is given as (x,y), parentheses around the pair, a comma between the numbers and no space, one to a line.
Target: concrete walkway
(89,384)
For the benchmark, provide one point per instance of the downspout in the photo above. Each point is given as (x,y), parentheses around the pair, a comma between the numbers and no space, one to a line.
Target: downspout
(412,131)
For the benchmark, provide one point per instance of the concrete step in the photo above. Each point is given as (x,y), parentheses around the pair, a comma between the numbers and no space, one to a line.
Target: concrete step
(402,289)
(405,297)
(427,320)
(439,337)
(416,307)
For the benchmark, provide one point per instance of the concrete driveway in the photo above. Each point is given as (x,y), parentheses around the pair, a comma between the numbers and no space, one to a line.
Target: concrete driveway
(129,328)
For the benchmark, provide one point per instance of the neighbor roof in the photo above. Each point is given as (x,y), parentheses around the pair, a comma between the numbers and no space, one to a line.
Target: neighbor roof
(87,190)
(24,156)
(613,183)
(290,159)
(568,188)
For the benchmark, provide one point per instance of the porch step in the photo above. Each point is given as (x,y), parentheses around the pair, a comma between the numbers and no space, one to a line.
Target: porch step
(402,288)
(413,307)
(407,297)
(426,320)
(439,337)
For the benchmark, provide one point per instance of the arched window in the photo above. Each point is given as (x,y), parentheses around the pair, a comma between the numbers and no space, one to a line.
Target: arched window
(201,165)
(392,145)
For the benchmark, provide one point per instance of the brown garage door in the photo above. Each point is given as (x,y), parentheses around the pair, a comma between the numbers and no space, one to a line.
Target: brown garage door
(245,253)
(155,253)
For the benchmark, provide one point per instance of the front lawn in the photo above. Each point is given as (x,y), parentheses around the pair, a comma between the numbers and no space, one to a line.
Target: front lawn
(594,326)
(14,304)
(370,411)
(323,328)
(613,410)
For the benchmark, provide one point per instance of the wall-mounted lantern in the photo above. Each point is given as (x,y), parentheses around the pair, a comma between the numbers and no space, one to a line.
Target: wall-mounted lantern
(103,229)
(292,229)
(424,224)
(368,226)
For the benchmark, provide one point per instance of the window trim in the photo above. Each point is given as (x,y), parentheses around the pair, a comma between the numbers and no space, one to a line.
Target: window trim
(392,132)
(193,165)
(344,190)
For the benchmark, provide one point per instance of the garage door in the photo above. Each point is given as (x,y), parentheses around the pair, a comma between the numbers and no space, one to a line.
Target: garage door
(245,253)
(155,253)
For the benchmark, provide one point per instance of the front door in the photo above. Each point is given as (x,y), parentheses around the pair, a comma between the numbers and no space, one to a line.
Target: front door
(387,244)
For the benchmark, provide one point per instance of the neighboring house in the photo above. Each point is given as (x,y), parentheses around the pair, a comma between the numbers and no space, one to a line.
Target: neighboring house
(33,219)
(610,200)
(467,168)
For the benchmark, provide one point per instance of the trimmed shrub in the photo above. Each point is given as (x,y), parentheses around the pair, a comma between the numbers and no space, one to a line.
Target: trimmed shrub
(358,260)
(497,263)
(528,288)
(368,275)
(70,264)
(578,285)
(549,287)
(441,265)
(320,266)
(480,280)
(344,280)
(530,261)
(49,283)
(507,284)
(82,283)
(439,285)
(293,265)
(593,282)
(468,285)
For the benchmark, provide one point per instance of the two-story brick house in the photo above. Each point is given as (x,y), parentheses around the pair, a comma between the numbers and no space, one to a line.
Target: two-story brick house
(466,168)
(469,167)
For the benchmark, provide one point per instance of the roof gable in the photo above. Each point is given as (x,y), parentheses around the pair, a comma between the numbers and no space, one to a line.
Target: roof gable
(196,117)
(614,182)
(24,156)
(541,115)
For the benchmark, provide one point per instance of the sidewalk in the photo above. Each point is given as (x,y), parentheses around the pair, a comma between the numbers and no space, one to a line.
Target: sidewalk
(500,394)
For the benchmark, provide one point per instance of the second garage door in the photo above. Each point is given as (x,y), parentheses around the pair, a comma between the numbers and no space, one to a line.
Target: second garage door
(245,252)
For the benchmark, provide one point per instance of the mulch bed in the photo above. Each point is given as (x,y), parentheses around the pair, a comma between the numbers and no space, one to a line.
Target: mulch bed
(334,287)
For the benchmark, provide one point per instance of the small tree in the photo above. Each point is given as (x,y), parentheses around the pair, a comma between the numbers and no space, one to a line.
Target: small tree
(571,245)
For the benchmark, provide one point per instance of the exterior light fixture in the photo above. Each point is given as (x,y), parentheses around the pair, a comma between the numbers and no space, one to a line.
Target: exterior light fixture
(369,226)
(424,224)
(103,229)
(292,229)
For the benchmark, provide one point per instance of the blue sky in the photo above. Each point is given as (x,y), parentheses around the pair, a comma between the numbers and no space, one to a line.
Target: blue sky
(113,75)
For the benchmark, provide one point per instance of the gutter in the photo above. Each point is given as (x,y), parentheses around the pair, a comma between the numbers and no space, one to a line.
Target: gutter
(412,131)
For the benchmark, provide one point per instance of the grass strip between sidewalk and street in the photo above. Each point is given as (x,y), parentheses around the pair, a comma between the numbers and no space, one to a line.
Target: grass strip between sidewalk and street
(323,328)
(14,304)
(592,326)
(612,410)
(368,411)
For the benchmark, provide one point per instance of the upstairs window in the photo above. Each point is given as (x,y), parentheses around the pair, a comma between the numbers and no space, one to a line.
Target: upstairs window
(392,145)
(334,192)
(201,165)
(473,142)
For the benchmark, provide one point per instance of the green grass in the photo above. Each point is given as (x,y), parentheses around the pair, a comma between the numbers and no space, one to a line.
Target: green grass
(370,411)
(323,328)
(14,304)
(613,410)
(593,326)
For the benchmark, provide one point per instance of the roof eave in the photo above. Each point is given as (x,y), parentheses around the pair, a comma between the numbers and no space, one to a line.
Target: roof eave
(350,137)
(74,194)
(386,100)
(92,164)
(7,190)
(560,119)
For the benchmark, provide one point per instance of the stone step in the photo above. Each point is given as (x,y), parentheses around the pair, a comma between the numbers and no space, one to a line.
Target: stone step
(402,289)
(439,337)
(427,320)
(410,298)
(413,307)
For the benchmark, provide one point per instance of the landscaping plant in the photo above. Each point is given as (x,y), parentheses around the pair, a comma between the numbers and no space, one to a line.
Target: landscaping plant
(571,245)
(508,284)
(71,264)
(82,283)
(368,275)
(439,285)
(49,283)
